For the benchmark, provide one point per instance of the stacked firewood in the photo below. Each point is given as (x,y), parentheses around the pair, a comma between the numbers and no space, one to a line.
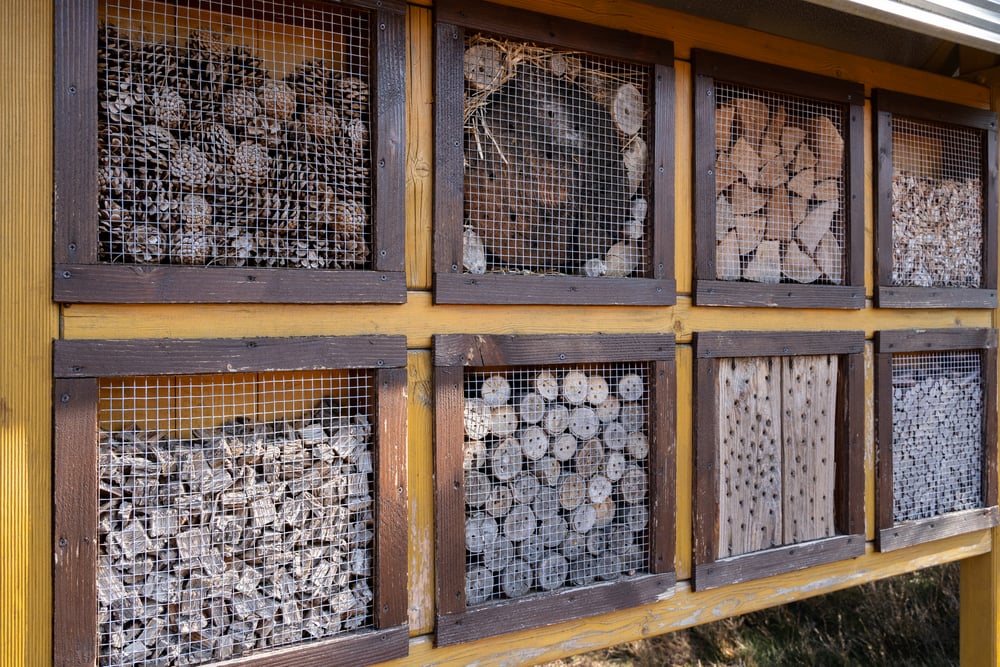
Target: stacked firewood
(556,482)
(205,158)
(249,536)
(556,162)
(779,187)
(936,443)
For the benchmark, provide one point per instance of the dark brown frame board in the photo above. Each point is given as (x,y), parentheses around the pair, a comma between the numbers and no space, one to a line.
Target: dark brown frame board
(884,105)
(708,290)
(456,622)
(78,367)
(79,276)
(711,571)
(890,535)
(451,285)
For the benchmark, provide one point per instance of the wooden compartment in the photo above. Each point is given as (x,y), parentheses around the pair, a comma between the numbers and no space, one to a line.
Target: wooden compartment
(778,180)
(936,203)
(554,478)
(561,136)
(936,429)
(230,500)
(229,152)
(779,465)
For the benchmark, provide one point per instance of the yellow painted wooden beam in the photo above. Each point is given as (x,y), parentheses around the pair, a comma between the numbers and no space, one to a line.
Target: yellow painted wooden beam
(28,322)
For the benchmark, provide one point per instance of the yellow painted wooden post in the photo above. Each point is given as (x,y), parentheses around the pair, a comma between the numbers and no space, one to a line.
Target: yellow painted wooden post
(28,322)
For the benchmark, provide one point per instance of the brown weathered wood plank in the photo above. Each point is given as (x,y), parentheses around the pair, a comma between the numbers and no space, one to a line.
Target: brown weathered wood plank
(785,295)
(930,340)
(391,500)
(662,466)
(492,350)
(893,296)
(775,78)
(449,491)
(570,290)
(449,173)
(911,533)
(706,470)
(773,343)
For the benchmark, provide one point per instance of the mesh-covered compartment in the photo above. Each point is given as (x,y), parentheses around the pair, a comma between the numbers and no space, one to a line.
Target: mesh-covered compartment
(234,137)
(779,187)
(556,478)
(937,204)
(937,433)
(776,425)
(556,167)
(235,514)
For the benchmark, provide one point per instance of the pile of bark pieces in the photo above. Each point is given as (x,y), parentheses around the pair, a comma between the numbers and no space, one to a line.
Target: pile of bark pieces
(779,182)
(556,484)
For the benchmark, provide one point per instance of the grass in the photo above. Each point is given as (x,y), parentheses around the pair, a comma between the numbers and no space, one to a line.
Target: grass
(907,620)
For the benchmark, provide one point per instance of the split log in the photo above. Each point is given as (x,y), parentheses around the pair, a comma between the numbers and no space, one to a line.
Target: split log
(803,183)
(746,160)
(780,224)
(804,159)
(798,266)
(829,258)
(816,225)
(791,137)
(765,267)
(749,232)
(724,116)
(827,189)
(746,201)
(752,116)
(727,257)
(773,173)
(725,218)
(829,148)
(726,173)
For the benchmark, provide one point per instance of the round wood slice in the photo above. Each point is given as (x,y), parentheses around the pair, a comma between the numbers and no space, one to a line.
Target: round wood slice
(621,260)
(608,410)
(572,491)
(637,517)
(637,445)
(478,585)
(556,419)
(627,109)
(531,550)
(524,487)
(574,545)
(634,486)
(480,530)
(473,252)
(532,408)
(495,390)
(599,489)
(534,442)
(614,466)
(547,385)
(564,446)
(610,566)
(552,531)
(574,387)
(506,460)
(498,554)
(597,542)
(634,158)
(520,523)
(583,422)
(478,418)
(500,500)
(546,503)
(589,458)
(605,512)
(620,539)
(473,454)
(615,437)
(631,387)
(633,417)
(516,579)
(597,390)
(483,65)
(477,489)
(504,422)
(547,470)
(583,571)
(552,572)
(583,518)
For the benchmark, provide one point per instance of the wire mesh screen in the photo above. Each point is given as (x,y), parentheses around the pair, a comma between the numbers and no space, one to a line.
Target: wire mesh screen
(937,205)
(235,514)
(937,433)
(777,432)
(235,136)
(779,187)
(556,169)
(556,478)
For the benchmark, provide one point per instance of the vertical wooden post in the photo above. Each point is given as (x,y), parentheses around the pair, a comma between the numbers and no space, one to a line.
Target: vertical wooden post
(979,592)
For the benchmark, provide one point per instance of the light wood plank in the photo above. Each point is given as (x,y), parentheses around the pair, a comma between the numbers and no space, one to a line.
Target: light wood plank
(750,455)
(420,485)
(683,241)
(419,146)
(808,410)
(685,457)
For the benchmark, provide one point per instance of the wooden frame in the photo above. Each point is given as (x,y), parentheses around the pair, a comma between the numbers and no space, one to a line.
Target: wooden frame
(78,365)
(886,104)
(451,284)
(79,276)
(710,571)
(456,622)
(708,67)
(889,534)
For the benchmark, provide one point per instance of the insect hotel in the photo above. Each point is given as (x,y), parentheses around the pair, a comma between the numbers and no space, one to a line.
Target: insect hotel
(373,332)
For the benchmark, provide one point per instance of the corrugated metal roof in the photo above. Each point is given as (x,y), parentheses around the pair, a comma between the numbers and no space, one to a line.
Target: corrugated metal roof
(971,22)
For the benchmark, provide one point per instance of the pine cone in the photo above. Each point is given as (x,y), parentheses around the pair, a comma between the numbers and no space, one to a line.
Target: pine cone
(153,147)
(311,82)
(245,69)
(251,162)
(195,212)
(169,108)
(321,120)
(143,243)
(350,96)
(277,99)
(217,143)
(193,247)
(191,168)
(239,108)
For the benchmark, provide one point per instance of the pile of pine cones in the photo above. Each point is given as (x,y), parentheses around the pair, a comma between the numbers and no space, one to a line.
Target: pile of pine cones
(206,159)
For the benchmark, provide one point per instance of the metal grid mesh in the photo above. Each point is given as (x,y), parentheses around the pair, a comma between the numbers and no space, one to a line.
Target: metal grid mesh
(556,169)
(937,213)
(556,478)
(235,136)
(779,187)
(937,433)
(235,514)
